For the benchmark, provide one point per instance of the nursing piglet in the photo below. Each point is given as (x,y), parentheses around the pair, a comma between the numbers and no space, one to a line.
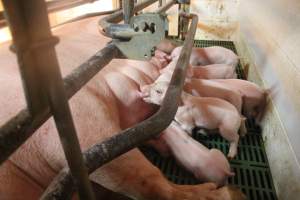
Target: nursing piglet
(209,88)
(207,165)
(210,55)
(205,112)
(166,46)
(254,97)
(216,71)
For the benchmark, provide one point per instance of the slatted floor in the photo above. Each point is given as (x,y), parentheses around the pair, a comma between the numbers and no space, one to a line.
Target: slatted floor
(251,166)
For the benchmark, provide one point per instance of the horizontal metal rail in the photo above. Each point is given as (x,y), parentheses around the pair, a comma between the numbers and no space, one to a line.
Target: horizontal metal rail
(53,6)
(99,154)
(18,129)
(85,16)
(57,5)
(34,46)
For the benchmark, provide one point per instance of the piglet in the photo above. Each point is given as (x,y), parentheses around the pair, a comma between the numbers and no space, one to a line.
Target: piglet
(169,69)
(207,165)
(209,88)
(204,112)
(210,55)
(214,71)
(166,46)
(254,97)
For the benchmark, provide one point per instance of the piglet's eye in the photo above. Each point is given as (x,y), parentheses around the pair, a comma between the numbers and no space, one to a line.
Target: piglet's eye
(158,91)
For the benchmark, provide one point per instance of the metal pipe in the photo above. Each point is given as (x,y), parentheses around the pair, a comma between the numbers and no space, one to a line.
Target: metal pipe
(128,6)
(35,47)
(53,6)
(183,22)
(128,139)
(18,129)
(166,6)
(109,28)
(85,16)
(2,19)
(25,37)
(58,5)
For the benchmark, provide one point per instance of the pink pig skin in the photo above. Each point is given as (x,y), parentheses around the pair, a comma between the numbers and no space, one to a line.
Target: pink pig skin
(210,55)
(206,112)
(99,112)
(211,88)
(254,97)
(207,165)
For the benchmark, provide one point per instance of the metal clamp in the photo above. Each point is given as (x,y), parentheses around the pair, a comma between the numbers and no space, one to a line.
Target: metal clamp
(147,31)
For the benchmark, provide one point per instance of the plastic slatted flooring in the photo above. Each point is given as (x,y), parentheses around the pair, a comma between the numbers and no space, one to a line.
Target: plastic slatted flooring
(251,166)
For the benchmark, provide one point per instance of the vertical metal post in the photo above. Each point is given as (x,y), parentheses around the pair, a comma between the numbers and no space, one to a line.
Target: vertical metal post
(120,4)
(23,35)
(36,54)
(128,6)
(183,22)
(161,3)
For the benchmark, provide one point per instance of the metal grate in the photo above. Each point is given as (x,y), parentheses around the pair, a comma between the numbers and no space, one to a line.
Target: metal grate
(251,166)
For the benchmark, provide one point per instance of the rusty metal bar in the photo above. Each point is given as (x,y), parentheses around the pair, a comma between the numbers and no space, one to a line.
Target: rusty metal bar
(18,129)
(109,28)
(166,6)
(128,6)
(99,154)
(35,48)
(182,21)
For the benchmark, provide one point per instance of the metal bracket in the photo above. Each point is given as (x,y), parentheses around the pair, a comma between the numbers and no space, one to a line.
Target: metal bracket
(183,1)
(150,30)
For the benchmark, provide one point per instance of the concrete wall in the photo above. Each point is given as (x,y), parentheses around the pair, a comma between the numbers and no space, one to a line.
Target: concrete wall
(267,35)
(218,19)
(270,42)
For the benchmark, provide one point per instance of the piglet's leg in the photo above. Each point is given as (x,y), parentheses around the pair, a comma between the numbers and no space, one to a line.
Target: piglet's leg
(231,136)
(232,150)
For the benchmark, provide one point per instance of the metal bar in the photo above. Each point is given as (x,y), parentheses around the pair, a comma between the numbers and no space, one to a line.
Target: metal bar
(53,6)
(107,24)
(18,129)
(85,16)
(2,19)
(166,6)
(128,6)
(35,47)
(104,152)
(58,5)
(24,35)
(182,21)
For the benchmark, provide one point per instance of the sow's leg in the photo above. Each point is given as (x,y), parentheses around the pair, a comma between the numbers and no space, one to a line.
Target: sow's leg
(134,176)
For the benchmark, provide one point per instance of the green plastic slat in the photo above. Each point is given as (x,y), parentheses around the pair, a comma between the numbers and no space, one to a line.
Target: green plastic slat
(251,166)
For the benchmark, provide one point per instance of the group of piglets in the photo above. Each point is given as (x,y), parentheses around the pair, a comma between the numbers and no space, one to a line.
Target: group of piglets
(212,98)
